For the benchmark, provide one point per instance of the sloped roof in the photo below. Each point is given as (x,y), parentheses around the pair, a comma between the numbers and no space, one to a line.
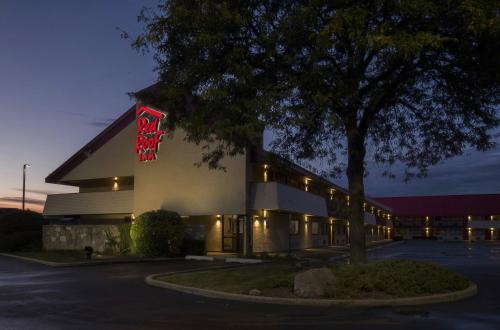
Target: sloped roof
(446,206)
(107,134)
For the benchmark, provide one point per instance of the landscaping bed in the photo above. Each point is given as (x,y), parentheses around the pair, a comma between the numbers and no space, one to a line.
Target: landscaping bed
(383,279)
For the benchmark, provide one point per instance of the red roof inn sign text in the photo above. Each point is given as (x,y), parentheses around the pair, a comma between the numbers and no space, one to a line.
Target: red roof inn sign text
(149,133)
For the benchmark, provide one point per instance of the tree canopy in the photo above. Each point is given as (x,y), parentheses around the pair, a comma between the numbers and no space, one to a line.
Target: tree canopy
(415,80)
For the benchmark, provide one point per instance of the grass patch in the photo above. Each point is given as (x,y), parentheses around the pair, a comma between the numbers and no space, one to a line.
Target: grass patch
(397,278)
(383,279)
(238,280)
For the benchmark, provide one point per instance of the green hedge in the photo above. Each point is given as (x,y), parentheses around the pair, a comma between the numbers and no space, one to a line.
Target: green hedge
(20,230)
(158,234)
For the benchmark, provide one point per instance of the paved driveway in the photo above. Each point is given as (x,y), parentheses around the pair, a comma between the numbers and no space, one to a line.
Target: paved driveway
(115,297)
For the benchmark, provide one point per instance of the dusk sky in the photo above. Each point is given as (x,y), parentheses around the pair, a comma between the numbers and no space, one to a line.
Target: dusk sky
(65,75)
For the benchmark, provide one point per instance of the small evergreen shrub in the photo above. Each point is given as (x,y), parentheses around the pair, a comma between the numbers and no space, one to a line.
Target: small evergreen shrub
(157,234)
(20,230)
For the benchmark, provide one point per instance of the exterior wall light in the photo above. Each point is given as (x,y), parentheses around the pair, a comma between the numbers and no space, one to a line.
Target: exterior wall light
(265,172)
(469,218)
(115,184)
(306,181)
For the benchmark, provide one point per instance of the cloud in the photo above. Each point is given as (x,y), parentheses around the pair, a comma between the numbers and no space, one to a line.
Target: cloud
(32,201)
(102,123)
(91,119)
(38,191)
(472,173)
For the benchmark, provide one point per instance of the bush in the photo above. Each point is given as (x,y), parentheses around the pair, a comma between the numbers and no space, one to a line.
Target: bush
(20,230)
(401,278)
(157,234)
(119,244)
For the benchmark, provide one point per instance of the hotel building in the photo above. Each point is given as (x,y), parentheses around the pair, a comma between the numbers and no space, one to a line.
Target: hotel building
(135,166)
(454,217)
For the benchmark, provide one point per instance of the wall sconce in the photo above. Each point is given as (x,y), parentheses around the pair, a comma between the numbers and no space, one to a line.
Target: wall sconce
(306,181)
(265,172)
(115,184)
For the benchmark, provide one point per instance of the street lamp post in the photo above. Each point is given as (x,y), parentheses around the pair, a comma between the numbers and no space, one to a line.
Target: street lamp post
(25,166)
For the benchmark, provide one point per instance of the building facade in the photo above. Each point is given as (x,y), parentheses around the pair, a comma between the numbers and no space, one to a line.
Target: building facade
(452,217)
(135,165)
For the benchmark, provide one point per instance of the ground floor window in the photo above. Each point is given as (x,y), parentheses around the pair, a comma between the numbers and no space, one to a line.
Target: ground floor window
(294,227)
(315,228)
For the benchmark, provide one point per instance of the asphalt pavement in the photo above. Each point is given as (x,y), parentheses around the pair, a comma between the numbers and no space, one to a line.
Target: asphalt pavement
(34,296)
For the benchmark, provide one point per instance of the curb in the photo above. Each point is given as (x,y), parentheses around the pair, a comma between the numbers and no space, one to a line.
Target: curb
(87,263)
(244,260)
(410,301)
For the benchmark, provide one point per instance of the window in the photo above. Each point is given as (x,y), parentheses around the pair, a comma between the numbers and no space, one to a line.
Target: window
(324,228)
(294,227)
(315,228)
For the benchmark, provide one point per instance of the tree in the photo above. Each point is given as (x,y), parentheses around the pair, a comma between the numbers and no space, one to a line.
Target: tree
(414,81)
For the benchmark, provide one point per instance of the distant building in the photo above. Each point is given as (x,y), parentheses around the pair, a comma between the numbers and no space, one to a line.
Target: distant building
(451,217)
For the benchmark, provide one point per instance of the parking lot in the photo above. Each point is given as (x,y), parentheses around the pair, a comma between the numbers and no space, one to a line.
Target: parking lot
(33,296)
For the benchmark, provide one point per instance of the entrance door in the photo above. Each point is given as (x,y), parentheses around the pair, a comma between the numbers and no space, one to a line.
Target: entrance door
(230,233)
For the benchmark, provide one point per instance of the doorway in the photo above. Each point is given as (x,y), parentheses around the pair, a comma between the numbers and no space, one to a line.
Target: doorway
(232,233)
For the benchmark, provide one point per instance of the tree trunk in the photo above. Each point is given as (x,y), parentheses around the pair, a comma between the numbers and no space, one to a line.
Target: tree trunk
(355,173)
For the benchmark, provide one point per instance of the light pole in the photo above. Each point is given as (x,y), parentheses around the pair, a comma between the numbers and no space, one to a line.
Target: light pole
(25,166)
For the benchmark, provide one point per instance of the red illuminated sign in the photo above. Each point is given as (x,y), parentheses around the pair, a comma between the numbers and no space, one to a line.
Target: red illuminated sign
(149,133)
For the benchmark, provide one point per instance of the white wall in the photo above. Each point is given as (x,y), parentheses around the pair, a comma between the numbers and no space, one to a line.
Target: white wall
(115,158)
(173,182)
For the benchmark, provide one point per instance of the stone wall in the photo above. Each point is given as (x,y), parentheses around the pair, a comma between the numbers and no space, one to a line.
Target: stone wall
(76,237)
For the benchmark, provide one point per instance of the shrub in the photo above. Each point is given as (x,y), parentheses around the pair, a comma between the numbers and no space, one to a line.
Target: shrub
(20,230)
(157,234)
(121,243)
(401,278)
